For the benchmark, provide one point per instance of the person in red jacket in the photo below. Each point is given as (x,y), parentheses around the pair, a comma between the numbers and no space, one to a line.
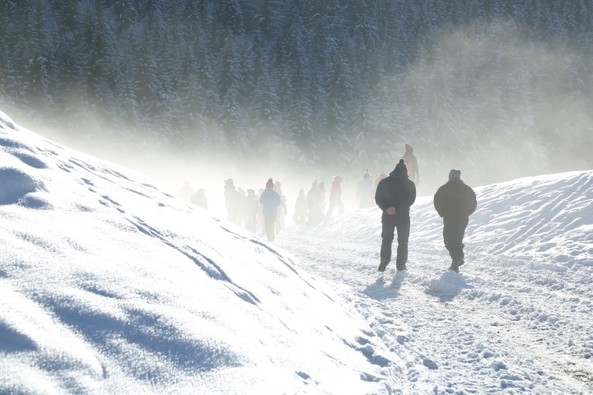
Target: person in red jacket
(394,196)
(455,202)
(335,196)
(412,164)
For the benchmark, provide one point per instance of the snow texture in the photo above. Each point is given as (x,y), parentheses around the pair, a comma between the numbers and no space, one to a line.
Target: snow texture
(109,285)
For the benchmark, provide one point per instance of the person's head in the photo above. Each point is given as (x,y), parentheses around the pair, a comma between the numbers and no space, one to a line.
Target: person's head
(454,174)
(401,168)
(270,184)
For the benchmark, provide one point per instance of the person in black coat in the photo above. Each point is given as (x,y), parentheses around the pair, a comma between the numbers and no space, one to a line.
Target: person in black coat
(394,196)
(455,202)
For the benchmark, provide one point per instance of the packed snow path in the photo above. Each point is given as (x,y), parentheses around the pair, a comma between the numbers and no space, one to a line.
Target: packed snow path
(502,325)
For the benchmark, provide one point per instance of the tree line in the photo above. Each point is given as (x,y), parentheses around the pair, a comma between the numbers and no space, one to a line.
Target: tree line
(352,78)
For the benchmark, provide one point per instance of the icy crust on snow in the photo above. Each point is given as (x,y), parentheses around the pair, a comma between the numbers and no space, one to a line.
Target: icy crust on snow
(547,217)
(109,285)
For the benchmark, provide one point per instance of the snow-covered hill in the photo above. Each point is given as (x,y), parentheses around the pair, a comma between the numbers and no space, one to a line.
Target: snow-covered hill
(108,285)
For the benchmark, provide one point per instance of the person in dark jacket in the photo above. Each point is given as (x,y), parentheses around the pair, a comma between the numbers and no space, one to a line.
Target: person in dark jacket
(455,202)
(270,201)
(394,196)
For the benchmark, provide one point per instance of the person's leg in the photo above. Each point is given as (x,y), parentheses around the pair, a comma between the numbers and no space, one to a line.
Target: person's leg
(269,223)
(453,232)
(403,235)
(387,234)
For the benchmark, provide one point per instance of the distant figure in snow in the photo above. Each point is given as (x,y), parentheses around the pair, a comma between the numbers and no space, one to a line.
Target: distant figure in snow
(411,164)
(394,196)
(270,201)
(335,197)
(186,191)
(314,204)
(251,211)
(300,208)
(232,201)
(283,210)
(381,176)
(366,188)
(455,202)
(199,199)
(321,191)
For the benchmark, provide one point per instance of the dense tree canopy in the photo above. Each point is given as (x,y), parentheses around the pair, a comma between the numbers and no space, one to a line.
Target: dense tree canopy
(355,79)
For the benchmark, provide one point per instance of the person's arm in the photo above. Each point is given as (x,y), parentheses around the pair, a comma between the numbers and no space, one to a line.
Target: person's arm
(438,205)
(379,199)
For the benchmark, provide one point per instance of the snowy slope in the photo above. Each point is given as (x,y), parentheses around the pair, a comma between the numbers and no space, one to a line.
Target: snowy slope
(108,285)
(517,319)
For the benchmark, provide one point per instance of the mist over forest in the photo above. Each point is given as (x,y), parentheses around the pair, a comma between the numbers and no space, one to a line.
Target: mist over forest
(306,89)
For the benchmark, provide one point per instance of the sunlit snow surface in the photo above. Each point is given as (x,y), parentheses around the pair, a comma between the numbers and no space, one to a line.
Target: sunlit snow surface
(109,285)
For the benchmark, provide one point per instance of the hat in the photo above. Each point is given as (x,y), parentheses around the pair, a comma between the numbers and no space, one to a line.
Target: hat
(401,167)
(270,183)
(454,174)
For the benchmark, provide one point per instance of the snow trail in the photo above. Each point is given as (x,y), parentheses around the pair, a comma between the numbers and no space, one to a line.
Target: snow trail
(503,325)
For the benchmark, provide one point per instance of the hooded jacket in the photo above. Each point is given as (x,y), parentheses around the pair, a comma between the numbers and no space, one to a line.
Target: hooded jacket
(396,191)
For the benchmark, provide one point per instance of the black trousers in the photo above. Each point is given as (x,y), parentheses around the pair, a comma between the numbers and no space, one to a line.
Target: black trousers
(453,232)
(401,222)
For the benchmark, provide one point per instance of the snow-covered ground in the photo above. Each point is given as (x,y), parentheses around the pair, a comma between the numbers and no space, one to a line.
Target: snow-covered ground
(109,285)
(517,319)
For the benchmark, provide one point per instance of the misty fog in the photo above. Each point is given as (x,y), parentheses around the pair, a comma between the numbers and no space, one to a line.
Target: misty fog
(492,97)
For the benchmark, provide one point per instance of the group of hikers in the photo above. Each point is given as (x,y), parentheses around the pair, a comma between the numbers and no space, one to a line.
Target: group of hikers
(262,213)
(394,193)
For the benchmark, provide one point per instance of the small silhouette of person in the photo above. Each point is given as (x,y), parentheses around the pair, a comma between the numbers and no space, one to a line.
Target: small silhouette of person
(232,200)
(270,201)
(335,196)
(186,191)
(411,164)
(366,188)
(300,208)
(199,199)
